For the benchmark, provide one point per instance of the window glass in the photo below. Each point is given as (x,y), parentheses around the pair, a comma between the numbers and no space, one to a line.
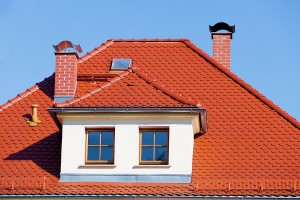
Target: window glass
(148,138)
(94,138)
(120,63)
(93,153)
(161,138)
(161,153)
(107,138)
(147,153)
(106,153)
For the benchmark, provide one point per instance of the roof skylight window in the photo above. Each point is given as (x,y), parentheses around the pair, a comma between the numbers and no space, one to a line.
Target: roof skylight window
(120,63)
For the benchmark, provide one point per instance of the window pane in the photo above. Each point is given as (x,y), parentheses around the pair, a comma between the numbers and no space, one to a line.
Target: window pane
(93,153)
(107,153)
(94,138)
(161,138)
(161,154)
(147,138)
(107,138)
(147,153)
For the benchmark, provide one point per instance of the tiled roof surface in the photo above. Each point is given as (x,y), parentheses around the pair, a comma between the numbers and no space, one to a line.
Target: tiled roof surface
(252,146)
(128,90)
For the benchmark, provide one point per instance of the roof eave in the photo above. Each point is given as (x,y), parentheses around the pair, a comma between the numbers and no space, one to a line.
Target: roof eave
(136,197)
(200,111)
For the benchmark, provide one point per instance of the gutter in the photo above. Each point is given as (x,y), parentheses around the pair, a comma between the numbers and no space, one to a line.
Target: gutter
(72,110)
(140,197)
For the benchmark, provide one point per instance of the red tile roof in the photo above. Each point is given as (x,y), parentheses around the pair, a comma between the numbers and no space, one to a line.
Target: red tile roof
(136,90)
(252,147)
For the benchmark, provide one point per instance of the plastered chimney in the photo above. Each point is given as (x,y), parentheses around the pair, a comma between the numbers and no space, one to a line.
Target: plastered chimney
(221,42)
(65,71)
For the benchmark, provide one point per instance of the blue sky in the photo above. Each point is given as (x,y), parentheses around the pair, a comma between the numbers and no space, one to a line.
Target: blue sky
(265,47)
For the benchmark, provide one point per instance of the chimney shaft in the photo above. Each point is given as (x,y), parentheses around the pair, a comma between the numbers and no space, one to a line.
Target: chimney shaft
(221,43)
(65,71)
(65,76)
(221,48)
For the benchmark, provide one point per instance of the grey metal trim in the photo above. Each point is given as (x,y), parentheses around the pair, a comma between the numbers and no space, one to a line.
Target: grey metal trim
(131,178)
(62,98)
(191,110)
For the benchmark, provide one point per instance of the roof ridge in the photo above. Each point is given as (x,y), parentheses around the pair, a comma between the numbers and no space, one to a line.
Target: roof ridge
(245,85)
(165,90)
(91,92)
(27,92)
(152,40)
(96,50)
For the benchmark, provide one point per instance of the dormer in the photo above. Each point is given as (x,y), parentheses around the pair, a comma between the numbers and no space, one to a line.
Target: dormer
(140,132)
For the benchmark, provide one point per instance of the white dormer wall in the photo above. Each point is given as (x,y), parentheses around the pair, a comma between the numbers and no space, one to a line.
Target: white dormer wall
(126,168)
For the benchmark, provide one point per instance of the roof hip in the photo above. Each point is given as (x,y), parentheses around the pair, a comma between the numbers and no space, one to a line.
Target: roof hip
(242,83)
(96,50)
(164,89)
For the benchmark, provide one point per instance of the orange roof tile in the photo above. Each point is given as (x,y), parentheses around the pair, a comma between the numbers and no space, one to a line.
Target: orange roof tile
(130,90)
(252,147)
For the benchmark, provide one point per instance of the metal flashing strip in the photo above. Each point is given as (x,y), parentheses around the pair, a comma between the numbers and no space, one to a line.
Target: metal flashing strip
(191,110)
(62,98)
(131,178)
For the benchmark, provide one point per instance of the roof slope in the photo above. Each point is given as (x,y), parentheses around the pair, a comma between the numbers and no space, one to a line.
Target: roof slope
(29,151)
(130,89)
(252,147)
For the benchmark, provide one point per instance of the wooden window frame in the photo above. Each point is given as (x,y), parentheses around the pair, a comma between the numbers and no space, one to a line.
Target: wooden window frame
(86,146)
(154,162)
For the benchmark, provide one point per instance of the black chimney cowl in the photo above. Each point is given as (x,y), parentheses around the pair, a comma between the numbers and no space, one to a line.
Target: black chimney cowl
(222,26)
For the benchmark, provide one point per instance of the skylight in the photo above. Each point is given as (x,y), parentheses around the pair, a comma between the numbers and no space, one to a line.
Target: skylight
(120,63)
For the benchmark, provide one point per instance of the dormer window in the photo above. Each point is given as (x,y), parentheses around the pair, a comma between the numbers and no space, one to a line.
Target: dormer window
(100,146)
(120,63)
(154,146)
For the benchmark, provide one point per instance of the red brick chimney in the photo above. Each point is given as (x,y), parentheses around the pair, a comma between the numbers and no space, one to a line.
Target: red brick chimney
(221,42)
(65,71)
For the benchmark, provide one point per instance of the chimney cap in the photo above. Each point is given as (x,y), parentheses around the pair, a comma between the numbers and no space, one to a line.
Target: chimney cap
(65,45)
(222,26)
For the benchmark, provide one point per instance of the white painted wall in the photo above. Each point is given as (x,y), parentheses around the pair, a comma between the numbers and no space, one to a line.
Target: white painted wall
(181,138)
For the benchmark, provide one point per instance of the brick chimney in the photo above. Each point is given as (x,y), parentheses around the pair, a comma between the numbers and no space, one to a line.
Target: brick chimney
(221,42)
(65,71)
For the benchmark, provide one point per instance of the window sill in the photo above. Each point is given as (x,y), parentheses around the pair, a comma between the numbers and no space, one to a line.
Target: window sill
(152,166)
(94,166)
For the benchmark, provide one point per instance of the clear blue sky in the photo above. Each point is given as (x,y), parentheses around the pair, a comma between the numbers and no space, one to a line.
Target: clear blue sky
(265,47)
